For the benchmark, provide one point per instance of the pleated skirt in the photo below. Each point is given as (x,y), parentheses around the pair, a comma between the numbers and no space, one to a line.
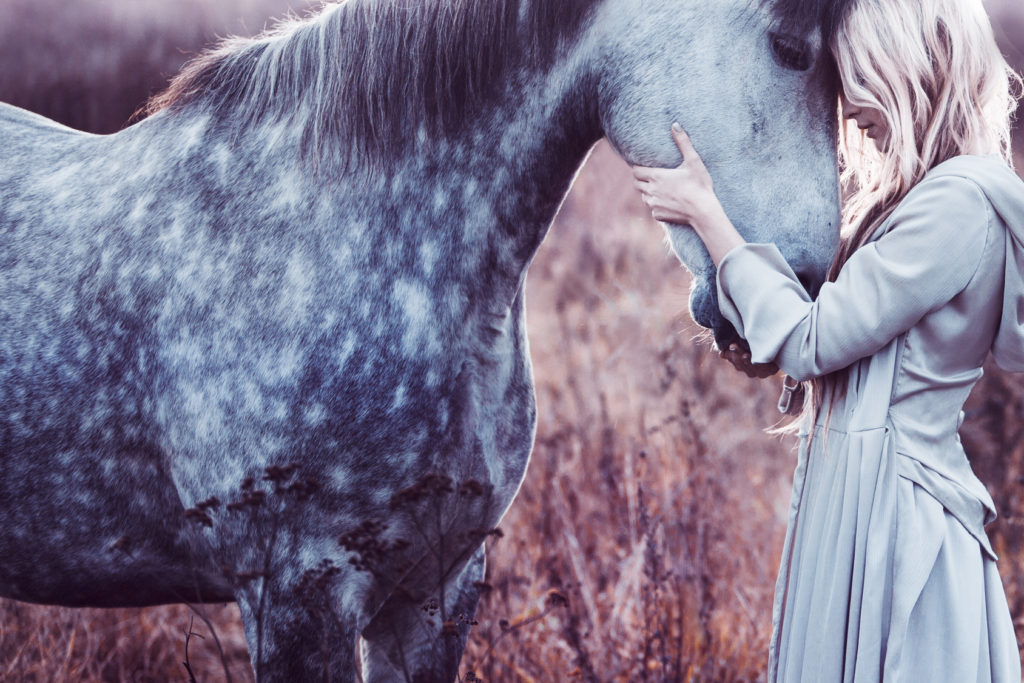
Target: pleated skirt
(879,582)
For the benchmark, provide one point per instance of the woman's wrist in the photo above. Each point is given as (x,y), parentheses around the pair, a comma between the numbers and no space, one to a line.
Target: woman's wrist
(717,232)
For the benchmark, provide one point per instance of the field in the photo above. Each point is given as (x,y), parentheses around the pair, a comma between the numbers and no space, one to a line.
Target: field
(645,540)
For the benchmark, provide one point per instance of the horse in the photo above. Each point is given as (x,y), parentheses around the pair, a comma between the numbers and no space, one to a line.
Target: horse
(267,344)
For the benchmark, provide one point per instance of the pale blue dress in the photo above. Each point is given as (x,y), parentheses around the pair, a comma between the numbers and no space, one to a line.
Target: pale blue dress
(887,573)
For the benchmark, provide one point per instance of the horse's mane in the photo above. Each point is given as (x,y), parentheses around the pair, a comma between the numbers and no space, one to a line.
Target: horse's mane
(371,72)
(362,75)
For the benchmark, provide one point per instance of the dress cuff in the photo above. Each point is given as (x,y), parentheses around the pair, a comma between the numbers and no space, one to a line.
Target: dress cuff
(757,290)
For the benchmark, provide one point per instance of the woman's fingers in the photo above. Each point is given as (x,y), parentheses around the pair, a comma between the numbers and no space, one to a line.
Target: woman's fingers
(648,175)
(685,145)
(682,140)
(644,190)
(741,361)
(643,173)
(675,195)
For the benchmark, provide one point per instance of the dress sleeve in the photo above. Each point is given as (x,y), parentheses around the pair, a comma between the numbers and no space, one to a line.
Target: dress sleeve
(929,254)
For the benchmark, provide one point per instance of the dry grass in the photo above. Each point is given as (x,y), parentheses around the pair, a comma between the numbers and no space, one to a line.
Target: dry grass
(90,64)
(654,502)
(44,644)
(645,540)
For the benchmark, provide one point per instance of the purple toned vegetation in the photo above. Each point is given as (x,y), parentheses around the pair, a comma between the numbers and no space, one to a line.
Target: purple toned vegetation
(612,565)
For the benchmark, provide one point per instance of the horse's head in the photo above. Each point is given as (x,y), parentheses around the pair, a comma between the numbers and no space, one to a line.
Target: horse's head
(758,99)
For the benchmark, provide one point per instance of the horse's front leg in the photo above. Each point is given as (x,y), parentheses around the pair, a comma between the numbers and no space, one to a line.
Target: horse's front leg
(302,624)
(418,637)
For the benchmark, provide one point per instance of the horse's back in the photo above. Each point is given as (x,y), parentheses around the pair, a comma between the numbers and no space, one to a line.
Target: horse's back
(31,148)
(15,121)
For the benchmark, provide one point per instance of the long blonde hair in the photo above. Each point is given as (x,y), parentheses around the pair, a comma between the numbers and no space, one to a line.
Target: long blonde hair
(933,70)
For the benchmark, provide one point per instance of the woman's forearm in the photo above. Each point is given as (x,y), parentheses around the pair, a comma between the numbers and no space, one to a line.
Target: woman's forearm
(717,232)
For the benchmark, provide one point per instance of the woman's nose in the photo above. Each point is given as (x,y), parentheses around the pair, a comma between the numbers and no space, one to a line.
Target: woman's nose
(849,110)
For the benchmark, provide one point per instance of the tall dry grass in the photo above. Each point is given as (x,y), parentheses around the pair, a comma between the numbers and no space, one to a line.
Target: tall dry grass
(645,540)
(654,502)
(91,64)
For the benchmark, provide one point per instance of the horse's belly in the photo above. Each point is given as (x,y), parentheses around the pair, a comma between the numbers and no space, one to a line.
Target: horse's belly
(105,580)
(103,528)
(90,514)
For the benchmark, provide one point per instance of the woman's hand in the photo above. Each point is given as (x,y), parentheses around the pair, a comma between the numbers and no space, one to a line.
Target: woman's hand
(740,359)
(685,195)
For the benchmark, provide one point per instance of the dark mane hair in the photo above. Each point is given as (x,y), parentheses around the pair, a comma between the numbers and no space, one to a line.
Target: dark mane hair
(801,17)
(366,72)
(369,71)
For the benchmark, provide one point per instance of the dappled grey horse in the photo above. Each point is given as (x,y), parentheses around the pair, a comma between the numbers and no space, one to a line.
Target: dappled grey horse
(268,344)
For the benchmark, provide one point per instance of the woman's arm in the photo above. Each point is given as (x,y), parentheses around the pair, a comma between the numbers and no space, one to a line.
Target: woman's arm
(929,254)
(685,195)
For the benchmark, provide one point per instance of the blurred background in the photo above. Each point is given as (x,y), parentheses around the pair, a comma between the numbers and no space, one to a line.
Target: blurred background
(655,501)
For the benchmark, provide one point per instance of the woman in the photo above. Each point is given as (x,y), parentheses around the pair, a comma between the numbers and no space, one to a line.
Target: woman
(887,573)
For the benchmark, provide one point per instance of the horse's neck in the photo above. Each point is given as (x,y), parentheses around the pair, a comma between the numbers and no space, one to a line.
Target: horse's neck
(483,197)
(506,176)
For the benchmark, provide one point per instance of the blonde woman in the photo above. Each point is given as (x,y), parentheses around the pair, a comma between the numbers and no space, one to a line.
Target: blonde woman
(887,572)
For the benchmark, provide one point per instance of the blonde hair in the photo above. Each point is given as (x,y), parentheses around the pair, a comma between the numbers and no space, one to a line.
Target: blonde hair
(933,70)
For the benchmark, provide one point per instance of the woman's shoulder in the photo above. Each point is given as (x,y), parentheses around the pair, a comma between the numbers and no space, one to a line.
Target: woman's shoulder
(966,164)
(951,194)
(973,173)
(963,175)
(948,211)
(974,185)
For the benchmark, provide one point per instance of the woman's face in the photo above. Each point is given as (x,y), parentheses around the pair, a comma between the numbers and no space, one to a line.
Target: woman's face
(869,120)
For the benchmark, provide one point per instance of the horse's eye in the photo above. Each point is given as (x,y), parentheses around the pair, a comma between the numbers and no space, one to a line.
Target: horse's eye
(791,52)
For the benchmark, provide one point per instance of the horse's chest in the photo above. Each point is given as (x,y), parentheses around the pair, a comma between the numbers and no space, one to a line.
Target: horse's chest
(468,412)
